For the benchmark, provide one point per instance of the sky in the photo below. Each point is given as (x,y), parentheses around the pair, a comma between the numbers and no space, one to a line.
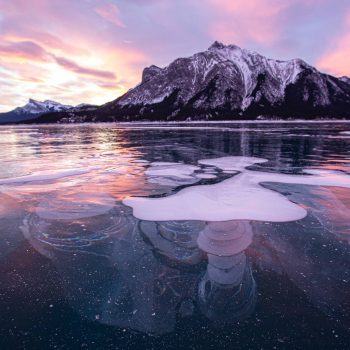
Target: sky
(92,51)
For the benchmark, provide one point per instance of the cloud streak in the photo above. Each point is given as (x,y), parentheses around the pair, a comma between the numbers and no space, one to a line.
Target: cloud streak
(76,68)
(335,60)
(24,49)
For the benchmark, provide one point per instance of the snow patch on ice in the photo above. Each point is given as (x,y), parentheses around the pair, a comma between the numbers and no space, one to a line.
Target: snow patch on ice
(232,163)
(206,176)
(240,197)
(171,169)
(182,171)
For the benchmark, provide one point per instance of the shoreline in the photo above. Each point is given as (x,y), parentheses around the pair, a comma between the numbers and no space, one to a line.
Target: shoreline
(185,123)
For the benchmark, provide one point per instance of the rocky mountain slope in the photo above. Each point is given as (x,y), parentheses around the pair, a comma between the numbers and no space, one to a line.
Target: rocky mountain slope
(225,82)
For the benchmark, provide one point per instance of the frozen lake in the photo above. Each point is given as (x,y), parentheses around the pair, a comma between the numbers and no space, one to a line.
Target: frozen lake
(168,236)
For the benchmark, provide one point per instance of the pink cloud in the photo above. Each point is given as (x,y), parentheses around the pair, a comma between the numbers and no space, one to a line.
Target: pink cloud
(31,51)
(76,68)
(64,42)
(336,58)
(24,49)
(240,21)
(111,13)
(255,22)
(47,40)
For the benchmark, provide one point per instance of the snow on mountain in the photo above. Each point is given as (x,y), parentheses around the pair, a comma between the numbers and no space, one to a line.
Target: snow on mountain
(227,82)
(224,82)
(237,67)
(345,79)
(36,107)
(33,109)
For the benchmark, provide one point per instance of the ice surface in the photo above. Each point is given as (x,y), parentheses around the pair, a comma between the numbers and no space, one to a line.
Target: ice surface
(240,197)
(48,175)
(74,207)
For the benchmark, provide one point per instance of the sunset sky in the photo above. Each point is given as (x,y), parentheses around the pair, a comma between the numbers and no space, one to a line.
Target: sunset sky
(92,51)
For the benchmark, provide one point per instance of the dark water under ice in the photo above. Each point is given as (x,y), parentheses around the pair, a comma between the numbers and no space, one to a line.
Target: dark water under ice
(79,271)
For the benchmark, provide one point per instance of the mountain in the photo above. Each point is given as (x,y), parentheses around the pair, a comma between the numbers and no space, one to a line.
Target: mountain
(32,110)
(226,82)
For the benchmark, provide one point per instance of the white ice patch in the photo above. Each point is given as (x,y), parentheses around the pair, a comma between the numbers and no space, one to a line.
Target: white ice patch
(141,161)
(48,175)
(232,163)
(178,170)
(238,198)
(206,176)
(164,163)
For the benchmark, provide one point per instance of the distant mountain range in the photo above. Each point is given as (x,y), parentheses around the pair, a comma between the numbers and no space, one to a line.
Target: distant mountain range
(33,109)
(223,82)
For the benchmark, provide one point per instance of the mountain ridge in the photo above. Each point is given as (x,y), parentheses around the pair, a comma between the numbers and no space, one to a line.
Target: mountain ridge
(225,82)
(34,108)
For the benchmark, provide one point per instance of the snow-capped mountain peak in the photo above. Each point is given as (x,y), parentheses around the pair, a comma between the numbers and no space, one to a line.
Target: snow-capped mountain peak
(234,67)
(226,80)
(33,109)
(39,107)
